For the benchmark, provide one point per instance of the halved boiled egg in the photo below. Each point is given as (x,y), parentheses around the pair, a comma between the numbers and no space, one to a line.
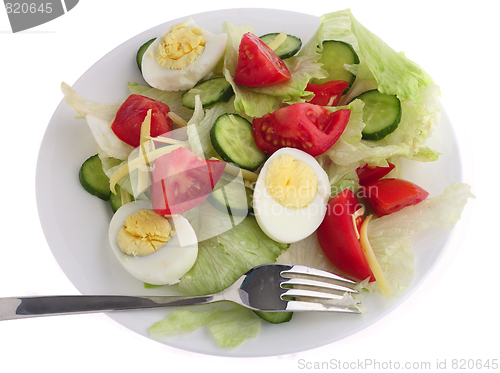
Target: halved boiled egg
(291,195)
(182,56)
(153,248)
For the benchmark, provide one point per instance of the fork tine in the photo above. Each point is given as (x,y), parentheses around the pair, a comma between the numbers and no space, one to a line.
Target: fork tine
(303,270)
(298,306)
(310,294)
(319,284)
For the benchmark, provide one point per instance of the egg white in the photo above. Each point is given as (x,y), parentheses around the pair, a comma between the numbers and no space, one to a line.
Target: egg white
(178,80)
(287,225)
(167,265)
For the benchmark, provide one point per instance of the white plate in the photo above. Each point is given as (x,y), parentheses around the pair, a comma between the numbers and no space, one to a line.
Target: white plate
(76,224)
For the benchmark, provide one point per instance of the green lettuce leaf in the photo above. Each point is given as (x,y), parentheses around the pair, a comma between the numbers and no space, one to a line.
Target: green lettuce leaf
(99,118)
(235,326)
(182,321)
(229,327)
(224,258)
(258,101)
(393,72)
(197,139)
(221,261)
(390,72)
(307,252)
(390,236)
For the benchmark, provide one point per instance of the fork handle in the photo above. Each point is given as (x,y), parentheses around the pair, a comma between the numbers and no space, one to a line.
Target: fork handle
(24,307)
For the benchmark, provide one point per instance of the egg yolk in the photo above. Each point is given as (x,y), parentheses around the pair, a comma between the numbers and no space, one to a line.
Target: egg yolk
(180,47)
(143,233)
(290,182)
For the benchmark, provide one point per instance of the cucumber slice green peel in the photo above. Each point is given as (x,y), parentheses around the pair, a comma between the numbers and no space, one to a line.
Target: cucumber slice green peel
(229,199)
(141,51)
(232,138)
(93,179)
(211,92)
(116,199)
(287,49)
(381,114)
(334,55)
(275,317)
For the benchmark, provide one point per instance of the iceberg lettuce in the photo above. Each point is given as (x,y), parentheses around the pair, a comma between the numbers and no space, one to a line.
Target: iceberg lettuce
(99,118)
(224,258)
(235,326)
(393,72)
(229,327)
(390,236)
(307,252)
(382,68)
(182,321)
(221,261)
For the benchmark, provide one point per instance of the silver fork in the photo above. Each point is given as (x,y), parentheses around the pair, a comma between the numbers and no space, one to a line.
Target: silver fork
(269,287)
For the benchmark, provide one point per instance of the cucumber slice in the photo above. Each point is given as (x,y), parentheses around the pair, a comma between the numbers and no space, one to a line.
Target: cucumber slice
(333,57)
(116,199)
(275,317)
(141,51)
(381,114)
(210,91)
(232,139)
(288,48)
(230,199)
(93,179)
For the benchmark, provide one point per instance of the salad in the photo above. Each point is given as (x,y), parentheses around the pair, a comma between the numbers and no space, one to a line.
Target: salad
(243,150)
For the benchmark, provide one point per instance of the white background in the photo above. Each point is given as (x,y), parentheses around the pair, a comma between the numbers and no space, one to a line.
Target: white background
(452,316)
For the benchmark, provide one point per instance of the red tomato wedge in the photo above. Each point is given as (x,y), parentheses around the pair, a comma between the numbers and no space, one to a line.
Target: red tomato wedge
(181,180)
(129,118)
(327,94)
(368,174)
(387,196)
(308,127)
(258,65)
(338,240)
